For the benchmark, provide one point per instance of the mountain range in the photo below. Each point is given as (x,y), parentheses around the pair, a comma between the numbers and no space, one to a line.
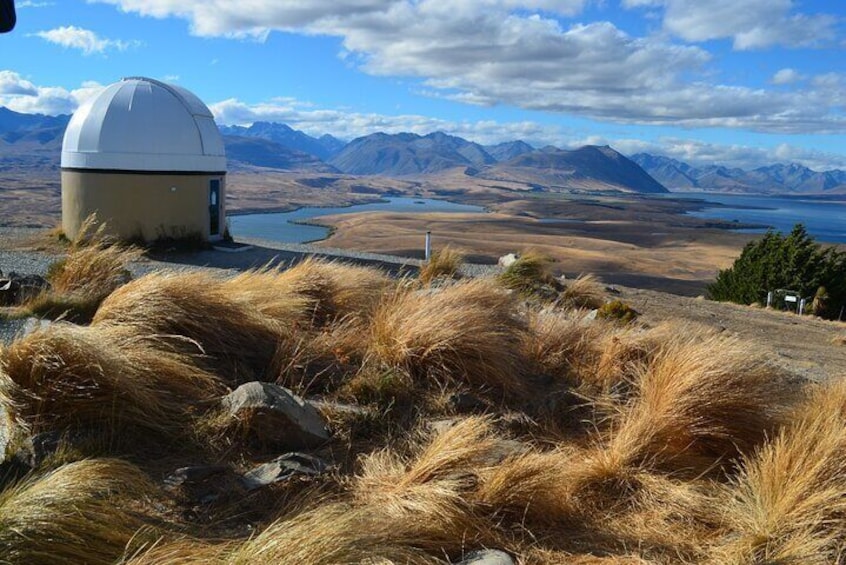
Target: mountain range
(34,140)
(778,178)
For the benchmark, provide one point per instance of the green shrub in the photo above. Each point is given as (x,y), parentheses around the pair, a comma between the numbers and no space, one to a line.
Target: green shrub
(776,261)
(617,310)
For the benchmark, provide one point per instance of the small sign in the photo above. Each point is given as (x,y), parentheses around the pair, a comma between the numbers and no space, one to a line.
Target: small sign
(789,298)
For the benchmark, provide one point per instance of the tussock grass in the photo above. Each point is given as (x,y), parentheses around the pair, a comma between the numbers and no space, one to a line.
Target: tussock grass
(701,400)
(74,514)
(788,504)
(443,263)
(336,289)
(94,266)
(528,274)
(468,332)
(586,291)
(98,378)
(236,340)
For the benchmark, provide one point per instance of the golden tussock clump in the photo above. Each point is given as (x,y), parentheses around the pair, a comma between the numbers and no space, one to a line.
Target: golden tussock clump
(236,340)
(586,291)
(700,401)
(74,514)
(528,274)
(94,267)
(66,375)
(335,289)
(788,504)
(469,332)
(443,263)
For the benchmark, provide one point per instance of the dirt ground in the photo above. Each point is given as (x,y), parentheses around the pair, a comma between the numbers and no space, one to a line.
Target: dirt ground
(804,344)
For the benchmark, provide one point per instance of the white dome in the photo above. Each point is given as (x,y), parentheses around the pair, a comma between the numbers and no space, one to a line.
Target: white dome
(141,124)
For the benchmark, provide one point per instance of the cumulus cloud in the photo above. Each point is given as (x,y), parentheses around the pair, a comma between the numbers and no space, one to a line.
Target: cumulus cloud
(787,76)
(750,24)
(72,37)
(21,95)
(524,53)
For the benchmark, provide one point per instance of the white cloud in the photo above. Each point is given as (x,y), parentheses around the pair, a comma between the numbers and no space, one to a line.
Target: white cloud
(72,37)
(750,24)
(787,76)
(516,52)
(31,4)
(21,95)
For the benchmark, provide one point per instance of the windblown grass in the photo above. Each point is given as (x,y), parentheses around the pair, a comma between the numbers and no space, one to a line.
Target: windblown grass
(468,332)
(74,514)
(788,505)
(98,379)
(443,263)
(528,274)
(584,292)
(701,401)
(336,289)
(237,340)
(94,266)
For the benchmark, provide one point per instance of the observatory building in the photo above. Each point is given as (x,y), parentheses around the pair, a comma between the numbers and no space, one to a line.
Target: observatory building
(148,159)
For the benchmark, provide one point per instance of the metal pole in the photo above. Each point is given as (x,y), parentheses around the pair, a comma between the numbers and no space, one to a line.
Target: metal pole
(428,250)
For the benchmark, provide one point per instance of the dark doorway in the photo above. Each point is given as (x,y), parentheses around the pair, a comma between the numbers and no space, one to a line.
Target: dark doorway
(214,207)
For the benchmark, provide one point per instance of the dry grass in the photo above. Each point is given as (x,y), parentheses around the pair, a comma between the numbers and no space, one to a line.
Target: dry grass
(94,266)
(443,263)
(701,400)
(97,378)
(586,291)
(74,514)
(788,505)
(683,445)
(468,332)
(529,274)
(335,289)
(237,341)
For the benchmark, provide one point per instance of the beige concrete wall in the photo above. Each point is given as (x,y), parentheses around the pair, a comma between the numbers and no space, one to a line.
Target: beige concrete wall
(151,206)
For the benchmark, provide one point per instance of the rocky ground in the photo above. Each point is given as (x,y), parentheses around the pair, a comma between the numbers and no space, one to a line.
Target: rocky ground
(806,345)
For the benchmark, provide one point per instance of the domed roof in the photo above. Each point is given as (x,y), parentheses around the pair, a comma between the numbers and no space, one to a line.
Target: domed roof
(141,124)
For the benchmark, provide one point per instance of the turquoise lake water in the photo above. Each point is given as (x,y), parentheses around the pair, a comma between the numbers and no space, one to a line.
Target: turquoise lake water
(280,226)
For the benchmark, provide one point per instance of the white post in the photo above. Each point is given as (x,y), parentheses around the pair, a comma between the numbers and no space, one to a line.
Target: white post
(801,306)
(769,299)
(428,250)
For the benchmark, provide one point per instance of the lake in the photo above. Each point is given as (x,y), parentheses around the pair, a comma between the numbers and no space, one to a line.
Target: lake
(281,226)
(825,220)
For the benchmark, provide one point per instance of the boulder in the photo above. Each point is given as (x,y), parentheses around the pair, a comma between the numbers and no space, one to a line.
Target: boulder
(271,416)
(507,260)
(283,468)
(16,289)
(487,557)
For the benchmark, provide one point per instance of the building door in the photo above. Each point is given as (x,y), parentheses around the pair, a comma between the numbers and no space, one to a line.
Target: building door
(214,207)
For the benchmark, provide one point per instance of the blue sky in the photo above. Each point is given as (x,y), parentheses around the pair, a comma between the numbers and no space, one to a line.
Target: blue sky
(734,82)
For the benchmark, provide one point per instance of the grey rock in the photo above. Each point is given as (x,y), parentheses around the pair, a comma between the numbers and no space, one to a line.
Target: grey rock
(16,289)
(487,557)
(273,416)
(283,468)
(508,260)
(190,476)
(591,315)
